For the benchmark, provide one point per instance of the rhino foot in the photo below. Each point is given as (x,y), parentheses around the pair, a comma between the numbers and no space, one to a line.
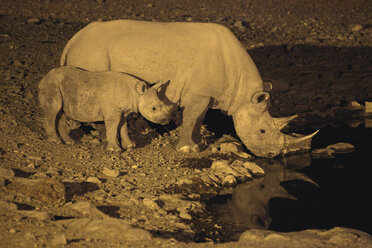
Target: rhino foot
(113,148)
(189,149)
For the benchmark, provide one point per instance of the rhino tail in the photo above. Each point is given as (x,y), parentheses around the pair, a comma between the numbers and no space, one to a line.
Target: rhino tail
(69,44)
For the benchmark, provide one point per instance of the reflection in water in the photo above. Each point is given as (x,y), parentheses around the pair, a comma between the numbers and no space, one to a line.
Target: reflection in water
(248,206)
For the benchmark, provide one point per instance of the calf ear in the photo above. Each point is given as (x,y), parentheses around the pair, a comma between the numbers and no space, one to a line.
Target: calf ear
(267,86)
(141,87)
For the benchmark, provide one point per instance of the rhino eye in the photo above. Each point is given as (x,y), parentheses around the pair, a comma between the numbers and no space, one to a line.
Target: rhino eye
(153,108)
(262,130)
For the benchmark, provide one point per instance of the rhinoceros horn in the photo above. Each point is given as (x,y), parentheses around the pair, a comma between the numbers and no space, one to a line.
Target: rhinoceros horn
(282,122)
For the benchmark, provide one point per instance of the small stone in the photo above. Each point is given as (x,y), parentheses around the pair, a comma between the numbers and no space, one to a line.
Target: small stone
(11,230)
(229,147)
(214,149)
(94,180)
(189,19)
(184,215)
(356,27)
(34,157)
(241,24)
(341,147)
(110,173)
(18,63)
(354,105)
(33,20)
(4,36)
(254,169)
(58,239)
(5,172)
(150,204)
(223,167)
(35,214)
(368,109)
(229,180)
(184,180)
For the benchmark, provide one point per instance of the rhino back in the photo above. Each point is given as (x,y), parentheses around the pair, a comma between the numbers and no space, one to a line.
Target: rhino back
(199,58)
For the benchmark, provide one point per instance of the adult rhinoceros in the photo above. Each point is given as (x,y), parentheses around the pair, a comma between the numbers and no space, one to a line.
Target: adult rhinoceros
(207,68)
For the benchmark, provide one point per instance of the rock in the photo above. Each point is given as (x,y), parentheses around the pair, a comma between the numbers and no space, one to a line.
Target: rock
(185,215)
(254,169)
(356,28)
(223,167)
(58,240)
(368,107)
(110,173)
(341,147)
(5,172)
(244,174)
(87,209)
(150,204)
(241,24)
(242,154)
(94,180)
(33,20)
(184,180)
(42,216)
(229,180)
(229,147)
(107,229)
(7,206)
(50,191)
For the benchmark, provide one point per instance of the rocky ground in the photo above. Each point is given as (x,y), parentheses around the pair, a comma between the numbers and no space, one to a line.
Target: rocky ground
(316,53)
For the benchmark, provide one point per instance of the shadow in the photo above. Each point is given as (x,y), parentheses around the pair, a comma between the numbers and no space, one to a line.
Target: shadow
(111,211)
(76,188)
(21,173)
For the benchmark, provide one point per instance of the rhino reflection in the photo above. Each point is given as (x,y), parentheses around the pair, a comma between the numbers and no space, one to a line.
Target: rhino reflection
(248,206)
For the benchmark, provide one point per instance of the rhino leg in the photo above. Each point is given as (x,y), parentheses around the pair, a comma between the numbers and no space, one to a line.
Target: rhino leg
(52,107)
(112,124)
(61,122)
(193,116)
(126,142)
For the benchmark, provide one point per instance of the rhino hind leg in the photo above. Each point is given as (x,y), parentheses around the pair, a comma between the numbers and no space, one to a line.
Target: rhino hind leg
(192,120)
(52,107)
(61,127)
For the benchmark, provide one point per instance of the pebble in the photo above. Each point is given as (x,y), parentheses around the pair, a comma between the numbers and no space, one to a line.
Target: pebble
(110,173)
(229,180)
(229,148)
(223,167)
(5,172)
(94,180)
(184,215)
(356,27)
(150,204)
(368,109)
(34,157)
(240,24)
(58,239)
(33,20)
(11,230)
(254,169)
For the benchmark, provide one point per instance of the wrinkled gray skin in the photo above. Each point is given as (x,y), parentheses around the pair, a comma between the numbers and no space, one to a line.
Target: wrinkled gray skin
(98,96)
(248,206)
(207,68)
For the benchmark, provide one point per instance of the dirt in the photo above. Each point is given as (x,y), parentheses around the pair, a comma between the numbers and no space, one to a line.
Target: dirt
(317,54)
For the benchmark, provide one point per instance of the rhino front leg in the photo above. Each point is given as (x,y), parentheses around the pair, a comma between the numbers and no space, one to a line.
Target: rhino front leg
(61,122)
(126,142)
(193,116)
(51,127)
(112,122)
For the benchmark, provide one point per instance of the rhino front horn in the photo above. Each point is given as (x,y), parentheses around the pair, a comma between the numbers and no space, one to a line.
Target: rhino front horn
(297,144)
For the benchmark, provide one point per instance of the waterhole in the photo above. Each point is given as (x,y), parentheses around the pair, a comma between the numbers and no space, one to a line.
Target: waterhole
(305,192)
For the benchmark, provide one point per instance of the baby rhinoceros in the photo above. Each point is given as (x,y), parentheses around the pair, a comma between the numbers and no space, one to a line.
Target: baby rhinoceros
(98,96)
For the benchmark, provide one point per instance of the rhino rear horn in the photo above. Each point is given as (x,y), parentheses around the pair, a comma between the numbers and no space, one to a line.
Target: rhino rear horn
(281,122)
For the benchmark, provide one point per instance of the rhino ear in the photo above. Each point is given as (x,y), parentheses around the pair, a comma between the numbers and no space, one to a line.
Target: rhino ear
(267,86)
(141,87)
(260,97)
